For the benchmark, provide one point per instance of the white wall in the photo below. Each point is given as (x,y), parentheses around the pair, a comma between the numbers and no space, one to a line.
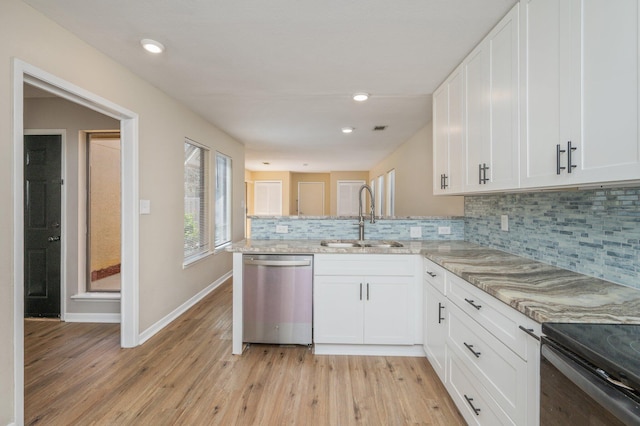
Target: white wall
(413,162)
(163,124)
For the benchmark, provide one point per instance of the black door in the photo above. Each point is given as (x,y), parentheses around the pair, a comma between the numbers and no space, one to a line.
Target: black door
(42,214)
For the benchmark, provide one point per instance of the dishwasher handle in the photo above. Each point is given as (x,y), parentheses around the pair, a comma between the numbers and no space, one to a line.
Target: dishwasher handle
(277,262)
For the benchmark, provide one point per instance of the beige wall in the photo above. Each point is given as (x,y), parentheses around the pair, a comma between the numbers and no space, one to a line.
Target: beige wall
(57,113)
(163,124)
(413,162)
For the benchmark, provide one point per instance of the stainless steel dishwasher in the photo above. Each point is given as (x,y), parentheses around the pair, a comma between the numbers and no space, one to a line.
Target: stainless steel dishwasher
(277,299)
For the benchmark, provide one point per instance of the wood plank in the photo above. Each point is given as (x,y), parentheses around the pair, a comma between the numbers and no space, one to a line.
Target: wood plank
(78,374)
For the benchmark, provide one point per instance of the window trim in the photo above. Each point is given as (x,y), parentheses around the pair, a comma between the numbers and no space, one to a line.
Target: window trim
(205,222)
(229,202)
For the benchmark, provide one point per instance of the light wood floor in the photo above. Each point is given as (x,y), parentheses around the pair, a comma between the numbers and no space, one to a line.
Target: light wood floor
(76,374)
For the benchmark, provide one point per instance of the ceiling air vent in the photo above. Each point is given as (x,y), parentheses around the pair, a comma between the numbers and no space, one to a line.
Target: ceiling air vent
(379,128)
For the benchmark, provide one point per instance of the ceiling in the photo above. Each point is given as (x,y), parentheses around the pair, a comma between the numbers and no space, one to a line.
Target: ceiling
(278,75)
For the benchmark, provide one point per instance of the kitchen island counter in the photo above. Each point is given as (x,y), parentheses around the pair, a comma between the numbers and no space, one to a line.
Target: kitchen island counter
(543,292)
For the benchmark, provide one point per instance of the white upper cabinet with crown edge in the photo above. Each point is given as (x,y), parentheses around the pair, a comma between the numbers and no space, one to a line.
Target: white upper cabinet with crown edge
(491,87)
(448,135)
(579,64)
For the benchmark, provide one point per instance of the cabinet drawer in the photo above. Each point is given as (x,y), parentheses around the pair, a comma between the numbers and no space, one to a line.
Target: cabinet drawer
(364,264)
(500,371)
(468,395)
(497,317)
(435,275)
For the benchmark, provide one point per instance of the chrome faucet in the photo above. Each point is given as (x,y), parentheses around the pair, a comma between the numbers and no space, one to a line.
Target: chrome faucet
(373,217)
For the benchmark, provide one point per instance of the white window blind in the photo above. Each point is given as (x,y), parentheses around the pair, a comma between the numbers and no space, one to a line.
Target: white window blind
(379,191)
(222,234)
(196,209)
(268,198)
(348,197)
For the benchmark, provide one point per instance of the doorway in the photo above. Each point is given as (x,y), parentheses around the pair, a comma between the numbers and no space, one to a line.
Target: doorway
(42,225)
(311,198)
(129,329)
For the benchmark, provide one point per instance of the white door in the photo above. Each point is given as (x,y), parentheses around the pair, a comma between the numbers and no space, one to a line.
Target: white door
(310,198)
(348,197)
(268,198)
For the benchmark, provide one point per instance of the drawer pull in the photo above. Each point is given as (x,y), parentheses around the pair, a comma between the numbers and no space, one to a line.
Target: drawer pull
(472,303)
(530,332)
(470,347)
(440,317)
(470,402)
(431,274)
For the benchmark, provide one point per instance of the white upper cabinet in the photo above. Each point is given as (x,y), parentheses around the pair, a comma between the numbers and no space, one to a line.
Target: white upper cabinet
(491,109)
(579,92)
(447,135)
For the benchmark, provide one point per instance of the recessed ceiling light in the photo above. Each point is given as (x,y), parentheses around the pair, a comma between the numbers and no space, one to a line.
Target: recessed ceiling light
(360,97)
(152,45)
(347,129)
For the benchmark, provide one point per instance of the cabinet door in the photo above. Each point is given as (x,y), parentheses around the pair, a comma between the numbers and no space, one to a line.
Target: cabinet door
(435,330)
(447,135)
(388,310)
(580,64)
(607,142)
(440,137)
(491,102)
(545,89)
(338,309)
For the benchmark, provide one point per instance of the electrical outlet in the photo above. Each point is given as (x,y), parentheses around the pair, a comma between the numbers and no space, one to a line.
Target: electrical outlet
(415,232)
(282,229)
(145,206)
(504,222)
(444,230)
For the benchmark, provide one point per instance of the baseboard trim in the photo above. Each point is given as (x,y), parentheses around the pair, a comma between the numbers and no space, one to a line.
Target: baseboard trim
(92,317)
(155,328)
(370,350)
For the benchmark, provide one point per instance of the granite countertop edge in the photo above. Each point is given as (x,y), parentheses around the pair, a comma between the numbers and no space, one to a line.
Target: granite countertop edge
(542,292)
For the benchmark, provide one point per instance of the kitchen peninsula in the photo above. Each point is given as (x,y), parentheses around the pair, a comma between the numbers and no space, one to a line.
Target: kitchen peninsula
(542,292)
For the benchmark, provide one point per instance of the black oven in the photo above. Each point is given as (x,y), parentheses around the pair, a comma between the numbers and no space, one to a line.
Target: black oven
(589,374)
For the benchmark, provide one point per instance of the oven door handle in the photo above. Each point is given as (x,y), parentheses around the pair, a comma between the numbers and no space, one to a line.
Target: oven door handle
(608,397)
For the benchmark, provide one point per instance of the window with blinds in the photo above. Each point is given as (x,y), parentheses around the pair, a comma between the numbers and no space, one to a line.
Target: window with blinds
(222,234)
(196,209)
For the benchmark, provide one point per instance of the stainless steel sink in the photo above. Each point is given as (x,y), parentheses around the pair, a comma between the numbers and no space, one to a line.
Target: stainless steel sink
(383,244)
(340,244)
(353,243)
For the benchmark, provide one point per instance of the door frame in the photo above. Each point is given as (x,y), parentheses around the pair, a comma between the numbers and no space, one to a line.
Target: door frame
(63,210)
(129,301)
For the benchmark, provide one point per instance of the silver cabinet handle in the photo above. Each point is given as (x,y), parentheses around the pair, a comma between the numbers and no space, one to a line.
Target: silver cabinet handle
(472,303)
(530,332)
(470,347)
(558,152)
(570,149)
(431,274)
(52,238)
(470,402)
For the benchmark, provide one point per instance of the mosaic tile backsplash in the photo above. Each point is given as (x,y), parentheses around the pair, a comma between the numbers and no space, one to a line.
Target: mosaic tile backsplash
(593,232)
(347,228)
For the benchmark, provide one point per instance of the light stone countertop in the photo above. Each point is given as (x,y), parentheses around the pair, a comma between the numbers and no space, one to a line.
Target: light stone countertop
(542,292)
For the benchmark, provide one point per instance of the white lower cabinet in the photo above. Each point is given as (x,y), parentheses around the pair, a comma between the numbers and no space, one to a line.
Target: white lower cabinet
(351,307)
(490,361)
(435,320)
